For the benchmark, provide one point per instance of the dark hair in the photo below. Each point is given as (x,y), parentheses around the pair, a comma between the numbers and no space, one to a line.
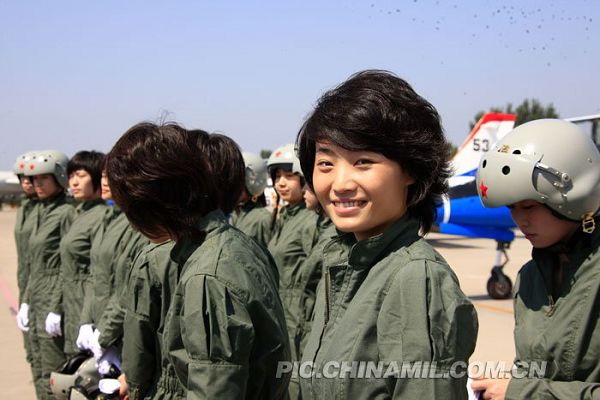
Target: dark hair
(227,163)
(160,177)
(89,161)
(377,111)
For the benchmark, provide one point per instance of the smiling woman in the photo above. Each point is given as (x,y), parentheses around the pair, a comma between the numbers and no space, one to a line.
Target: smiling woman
(363,192)
(374,152)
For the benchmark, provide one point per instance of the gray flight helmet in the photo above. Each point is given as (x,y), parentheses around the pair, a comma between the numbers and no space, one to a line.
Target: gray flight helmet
(256,173)
(50,162)
(22,162)
(551,161)
(284,157)
(79,371)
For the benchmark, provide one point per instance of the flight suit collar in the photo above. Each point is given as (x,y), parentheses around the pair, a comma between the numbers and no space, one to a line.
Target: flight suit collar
(212,221)
(112,212)
(574,252)
(184,248)
(88,204)
(248,206)
(58,199)
(366,253)
(292,210)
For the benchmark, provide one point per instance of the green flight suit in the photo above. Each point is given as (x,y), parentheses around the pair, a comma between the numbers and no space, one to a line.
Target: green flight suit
(308,280)
(296,234)
(108,244)
(562,331)
(225,330)
(254,221)
(53,218)
(151,286)
(390,299)
(75,269)
(23,228)
(111,322)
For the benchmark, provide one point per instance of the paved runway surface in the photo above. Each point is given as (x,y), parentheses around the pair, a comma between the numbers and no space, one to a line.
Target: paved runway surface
(471,259)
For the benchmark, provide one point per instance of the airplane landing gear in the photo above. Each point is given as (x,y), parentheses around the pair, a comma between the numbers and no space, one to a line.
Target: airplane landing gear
(499,285)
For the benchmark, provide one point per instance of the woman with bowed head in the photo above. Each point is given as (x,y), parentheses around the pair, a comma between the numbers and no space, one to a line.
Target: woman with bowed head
(548,173)
(224,331)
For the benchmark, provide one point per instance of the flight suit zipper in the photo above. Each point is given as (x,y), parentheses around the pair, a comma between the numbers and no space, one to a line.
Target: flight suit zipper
(326,316)
(552,304)
(327,289)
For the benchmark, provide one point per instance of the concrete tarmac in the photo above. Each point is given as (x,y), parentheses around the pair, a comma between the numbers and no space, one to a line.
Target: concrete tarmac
(15,374)
(471,259)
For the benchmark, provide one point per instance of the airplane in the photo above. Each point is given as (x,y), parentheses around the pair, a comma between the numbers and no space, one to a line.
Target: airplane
(10,188)
(463,214)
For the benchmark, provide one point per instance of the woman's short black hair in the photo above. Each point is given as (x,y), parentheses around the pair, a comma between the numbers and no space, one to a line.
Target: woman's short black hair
(228,163)
(89,161)
(161,178)
(377,111)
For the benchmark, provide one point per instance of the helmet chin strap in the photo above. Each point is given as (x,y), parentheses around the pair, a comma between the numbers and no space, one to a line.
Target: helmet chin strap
(588,224)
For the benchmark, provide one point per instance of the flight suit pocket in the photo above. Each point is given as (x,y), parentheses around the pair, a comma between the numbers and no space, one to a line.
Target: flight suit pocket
(141,298)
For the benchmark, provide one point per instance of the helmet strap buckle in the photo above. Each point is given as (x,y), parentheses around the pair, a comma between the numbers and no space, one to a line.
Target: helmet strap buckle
(588,224)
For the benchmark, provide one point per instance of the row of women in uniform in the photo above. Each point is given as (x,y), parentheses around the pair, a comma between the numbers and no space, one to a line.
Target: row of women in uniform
(225,290)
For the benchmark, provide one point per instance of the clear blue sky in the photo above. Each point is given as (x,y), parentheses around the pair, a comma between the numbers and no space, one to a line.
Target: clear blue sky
(76,74)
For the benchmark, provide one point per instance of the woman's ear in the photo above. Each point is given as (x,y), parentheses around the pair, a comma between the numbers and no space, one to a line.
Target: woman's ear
(408,178)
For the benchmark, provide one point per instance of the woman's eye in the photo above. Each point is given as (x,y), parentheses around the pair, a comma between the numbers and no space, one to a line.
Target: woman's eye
(364,162)
(324,164)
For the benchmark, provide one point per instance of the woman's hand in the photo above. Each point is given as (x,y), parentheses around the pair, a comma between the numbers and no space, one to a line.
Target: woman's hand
(123,395)
(492,389)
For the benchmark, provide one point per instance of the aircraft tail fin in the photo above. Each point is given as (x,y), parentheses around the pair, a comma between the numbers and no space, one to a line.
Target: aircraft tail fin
(490,128)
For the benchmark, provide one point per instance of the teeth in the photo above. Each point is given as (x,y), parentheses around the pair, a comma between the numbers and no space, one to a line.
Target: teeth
(348,204)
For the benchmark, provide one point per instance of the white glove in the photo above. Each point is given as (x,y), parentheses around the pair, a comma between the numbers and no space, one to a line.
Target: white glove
(23,317)
(85,333)
(53,324)
(110,357)
(95,346)
(109,386)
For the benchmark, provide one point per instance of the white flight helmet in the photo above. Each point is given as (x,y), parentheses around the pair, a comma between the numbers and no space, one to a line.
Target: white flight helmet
(256,173)
(548,160)
(284,157)
(22,162)
(50,162)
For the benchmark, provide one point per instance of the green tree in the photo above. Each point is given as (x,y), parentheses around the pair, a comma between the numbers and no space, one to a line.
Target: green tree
(265,154)
(452,149)
(527,111)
